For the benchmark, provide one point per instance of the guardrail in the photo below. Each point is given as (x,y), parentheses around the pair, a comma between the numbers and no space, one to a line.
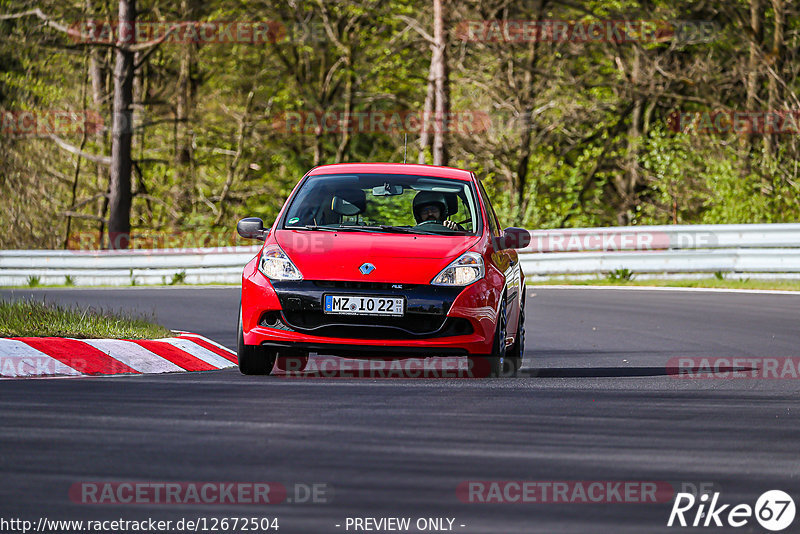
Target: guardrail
(761,249)
(125,267)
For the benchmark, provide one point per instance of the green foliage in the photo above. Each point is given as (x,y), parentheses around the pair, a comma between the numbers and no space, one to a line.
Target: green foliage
(22,318)
(560,148)
(695,179)
(394,210)
(33,281)
(178,278)
(620,275)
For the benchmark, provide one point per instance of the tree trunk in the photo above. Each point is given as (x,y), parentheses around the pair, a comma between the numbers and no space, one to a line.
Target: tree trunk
(183,137)
(84,135)
(344,142)
(119,219)
(773,103)
(757,34)
(441,83)
(98,76)
(773,95)
(527,100)
(634,135)
(756,13)
(425,135)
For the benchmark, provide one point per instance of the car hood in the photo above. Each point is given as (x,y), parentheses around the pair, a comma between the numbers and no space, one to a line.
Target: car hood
(398,258)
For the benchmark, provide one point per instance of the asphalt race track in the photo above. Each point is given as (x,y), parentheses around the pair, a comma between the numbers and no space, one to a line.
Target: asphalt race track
(596,403)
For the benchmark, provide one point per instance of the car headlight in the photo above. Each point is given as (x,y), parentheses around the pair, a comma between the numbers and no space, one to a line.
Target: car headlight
(465,270)
(276,265)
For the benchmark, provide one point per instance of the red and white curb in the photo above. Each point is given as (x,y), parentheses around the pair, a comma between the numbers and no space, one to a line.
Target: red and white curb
(55,356)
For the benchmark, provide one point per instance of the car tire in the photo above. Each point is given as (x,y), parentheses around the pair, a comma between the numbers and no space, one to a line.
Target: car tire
(517,350)
(253,359)
(493,365)
(291,360)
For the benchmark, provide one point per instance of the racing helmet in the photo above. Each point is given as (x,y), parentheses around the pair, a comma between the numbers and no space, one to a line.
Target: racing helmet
(426,198)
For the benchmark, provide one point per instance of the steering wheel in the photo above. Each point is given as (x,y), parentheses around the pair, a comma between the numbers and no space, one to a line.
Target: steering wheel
(429,224)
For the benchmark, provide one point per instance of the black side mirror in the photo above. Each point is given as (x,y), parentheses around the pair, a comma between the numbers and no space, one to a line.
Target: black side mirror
(252,228)
(514,238)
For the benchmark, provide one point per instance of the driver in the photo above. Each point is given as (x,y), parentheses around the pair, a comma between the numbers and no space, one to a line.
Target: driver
(430,206)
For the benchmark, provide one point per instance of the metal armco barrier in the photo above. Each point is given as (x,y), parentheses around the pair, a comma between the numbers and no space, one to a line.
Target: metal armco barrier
(680,249)
(125,267)
(770,260)
(670,250)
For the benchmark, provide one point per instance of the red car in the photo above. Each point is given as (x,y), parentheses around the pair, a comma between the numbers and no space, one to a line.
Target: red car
(384,260)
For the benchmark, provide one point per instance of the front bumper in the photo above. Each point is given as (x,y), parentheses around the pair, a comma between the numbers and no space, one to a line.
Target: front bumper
(425,314)
(439,321)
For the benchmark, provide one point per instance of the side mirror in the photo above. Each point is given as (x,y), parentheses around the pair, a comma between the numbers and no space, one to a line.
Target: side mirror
(514,238)
(252,228)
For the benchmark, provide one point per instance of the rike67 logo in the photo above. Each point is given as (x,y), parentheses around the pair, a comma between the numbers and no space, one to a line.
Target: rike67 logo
(774,510)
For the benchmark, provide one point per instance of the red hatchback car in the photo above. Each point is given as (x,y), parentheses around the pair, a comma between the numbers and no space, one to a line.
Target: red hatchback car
(384,260)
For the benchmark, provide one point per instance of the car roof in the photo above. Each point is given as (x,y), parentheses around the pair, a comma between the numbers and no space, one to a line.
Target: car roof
(393,168)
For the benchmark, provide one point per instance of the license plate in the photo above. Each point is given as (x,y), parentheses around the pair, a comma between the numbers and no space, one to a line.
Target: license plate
(355,305)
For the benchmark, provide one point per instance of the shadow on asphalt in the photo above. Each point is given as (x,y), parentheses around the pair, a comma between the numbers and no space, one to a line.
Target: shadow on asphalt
(549,372)
(609,372)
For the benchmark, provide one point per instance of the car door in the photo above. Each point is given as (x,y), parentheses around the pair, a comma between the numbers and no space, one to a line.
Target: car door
(506,260)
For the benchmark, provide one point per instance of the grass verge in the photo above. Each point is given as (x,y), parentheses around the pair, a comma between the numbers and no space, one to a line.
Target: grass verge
(29,318)
(782,285)
(135,286)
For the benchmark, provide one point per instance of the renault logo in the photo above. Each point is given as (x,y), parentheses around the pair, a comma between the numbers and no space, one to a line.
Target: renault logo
(366,268)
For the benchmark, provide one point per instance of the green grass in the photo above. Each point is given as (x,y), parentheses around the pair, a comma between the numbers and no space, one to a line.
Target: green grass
(620,275)
(165,283)
(29,318)
(178,278)
(716,282)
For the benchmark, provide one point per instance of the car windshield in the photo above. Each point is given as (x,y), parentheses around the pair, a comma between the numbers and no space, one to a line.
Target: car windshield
(388,203)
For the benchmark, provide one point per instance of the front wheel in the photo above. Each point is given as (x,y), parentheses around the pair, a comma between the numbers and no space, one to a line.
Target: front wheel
(517,350)
(253,359)
(496,364)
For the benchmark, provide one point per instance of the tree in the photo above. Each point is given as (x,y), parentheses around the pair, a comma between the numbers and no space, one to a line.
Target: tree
(120,199)
(441,81)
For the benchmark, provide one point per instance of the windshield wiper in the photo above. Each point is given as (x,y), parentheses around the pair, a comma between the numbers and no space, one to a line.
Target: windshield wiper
(334,228)
(312,227)
(380,228)
(404,230)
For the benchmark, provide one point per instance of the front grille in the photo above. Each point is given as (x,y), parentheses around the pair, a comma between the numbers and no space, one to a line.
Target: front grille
(352,327)
(355,326)
(425,314)
(361,285)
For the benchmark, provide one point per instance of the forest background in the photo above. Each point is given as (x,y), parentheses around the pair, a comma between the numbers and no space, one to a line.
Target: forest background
(573,114)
